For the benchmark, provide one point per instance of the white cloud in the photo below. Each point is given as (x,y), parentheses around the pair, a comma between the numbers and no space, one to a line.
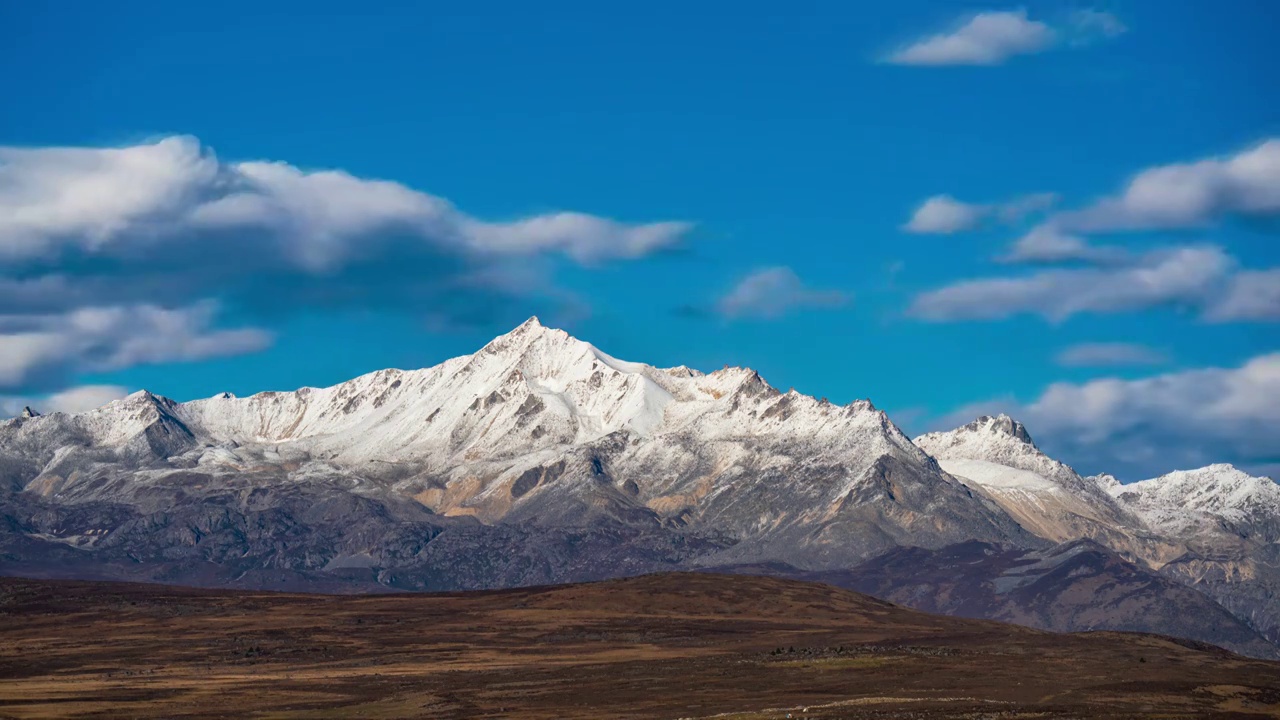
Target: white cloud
(1251,295)
(72,400)
(990,38)
(1188,195)
(1113,353)
(1148,426)
(1186,276)
(943,214)
(44,349)
(111,257)
(117,202)
(1087,24)
(773,292)
(987,38)
(1047,244)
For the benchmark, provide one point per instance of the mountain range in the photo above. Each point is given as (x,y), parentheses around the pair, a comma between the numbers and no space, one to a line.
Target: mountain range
(541,459)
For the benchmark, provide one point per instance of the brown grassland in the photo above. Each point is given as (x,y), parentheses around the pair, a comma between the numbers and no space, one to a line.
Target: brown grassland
(660,646)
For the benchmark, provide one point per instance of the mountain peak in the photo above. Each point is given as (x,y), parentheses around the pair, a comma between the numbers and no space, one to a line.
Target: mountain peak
(521,337)
(532,324)
(1001,424)
(27,412)
(1218,477)
(1106,481)
(1200,500)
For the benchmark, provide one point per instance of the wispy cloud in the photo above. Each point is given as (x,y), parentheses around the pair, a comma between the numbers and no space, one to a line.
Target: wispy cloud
(1110,353)
(1186,276)
(773,292)
(991,38)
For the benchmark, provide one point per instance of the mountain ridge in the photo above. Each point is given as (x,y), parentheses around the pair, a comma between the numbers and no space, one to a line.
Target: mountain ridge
(540,458)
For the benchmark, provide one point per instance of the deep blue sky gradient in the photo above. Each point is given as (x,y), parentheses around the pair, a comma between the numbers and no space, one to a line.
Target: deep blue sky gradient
(770,125)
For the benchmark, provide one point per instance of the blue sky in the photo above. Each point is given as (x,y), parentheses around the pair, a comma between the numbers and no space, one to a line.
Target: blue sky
(728,184)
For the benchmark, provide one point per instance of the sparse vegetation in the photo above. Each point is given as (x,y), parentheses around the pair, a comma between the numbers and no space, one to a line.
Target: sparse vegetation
(661,646)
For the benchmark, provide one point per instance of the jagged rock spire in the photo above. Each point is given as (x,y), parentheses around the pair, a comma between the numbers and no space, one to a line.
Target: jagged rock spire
(1004,424)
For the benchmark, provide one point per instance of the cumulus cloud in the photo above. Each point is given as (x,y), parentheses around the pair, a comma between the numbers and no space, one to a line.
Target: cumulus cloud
(991,38)
(773,292)
(50,349)
(118,256)
(1047,244)
(944,215)
(72,400)
(1188,195)
(1111,353)
(1149,426)
(1183,276)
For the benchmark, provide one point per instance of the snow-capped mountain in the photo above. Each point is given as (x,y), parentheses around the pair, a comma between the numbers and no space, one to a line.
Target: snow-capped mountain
(1215,529)
(1228,523)
(1209,500)
(540,458)
(997,457)
(538,428)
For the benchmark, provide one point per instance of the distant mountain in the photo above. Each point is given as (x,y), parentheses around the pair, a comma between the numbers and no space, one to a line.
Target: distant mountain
(997,457)
(1228,523)
(1217,500)
(541,459)
(1075,586)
